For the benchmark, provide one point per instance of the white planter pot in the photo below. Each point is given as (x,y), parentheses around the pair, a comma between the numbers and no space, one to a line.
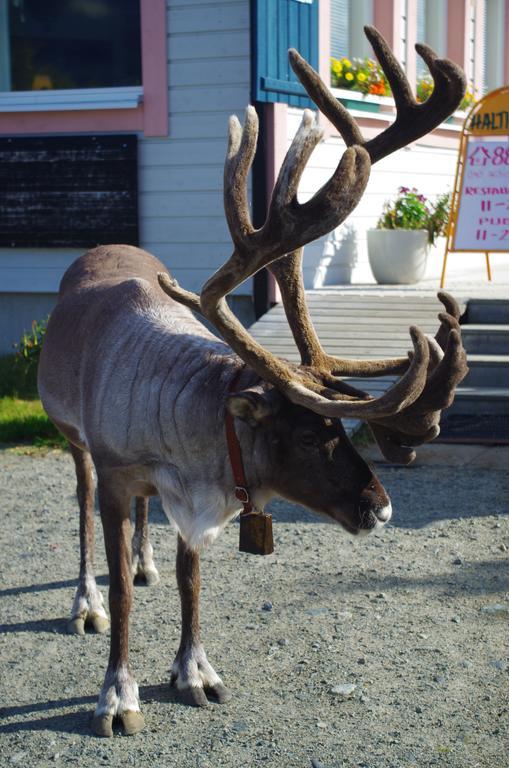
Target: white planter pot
(398,255)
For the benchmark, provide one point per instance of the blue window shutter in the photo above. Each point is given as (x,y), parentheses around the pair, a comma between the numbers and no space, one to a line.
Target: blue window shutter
(278,25)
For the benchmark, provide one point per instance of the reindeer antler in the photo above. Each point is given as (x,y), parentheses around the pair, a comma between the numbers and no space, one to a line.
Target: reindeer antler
(413,120)
(289,222)
(288,227)
(419,423)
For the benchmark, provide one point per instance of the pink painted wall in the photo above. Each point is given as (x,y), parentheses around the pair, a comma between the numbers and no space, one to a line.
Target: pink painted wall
(276,122)
(104,120)
(457,31)
(154,65)
(387,15)
(411,39)
(506,47)
(324,40)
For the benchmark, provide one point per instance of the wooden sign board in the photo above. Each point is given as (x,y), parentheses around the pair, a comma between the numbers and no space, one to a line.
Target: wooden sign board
(479,219)
(68,191)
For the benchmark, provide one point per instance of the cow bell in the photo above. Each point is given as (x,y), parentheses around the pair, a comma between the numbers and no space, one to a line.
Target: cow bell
(256,533)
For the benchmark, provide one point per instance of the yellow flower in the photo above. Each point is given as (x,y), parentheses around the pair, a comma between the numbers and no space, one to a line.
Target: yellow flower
(361,77)
(346,62)
(349,76)
(336,67)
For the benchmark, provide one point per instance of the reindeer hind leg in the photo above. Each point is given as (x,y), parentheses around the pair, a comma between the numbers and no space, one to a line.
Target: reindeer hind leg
(119,694)
(88,605)
(142,552)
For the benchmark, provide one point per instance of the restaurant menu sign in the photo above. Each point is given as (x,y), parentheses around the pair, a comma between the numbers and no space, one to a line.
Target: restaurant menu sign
(481,210)
(482,222)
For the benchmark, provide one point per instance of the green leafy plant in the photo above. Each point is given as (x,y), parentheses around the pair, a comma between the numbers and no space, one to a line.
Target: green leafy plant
(411,210)
(363,75)
(22,417)
(439,217)
(29,348)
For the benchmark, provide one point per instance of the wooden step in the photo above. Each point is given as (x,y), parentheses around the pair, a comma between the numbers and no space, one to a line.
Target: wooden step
(489,339)
(487,371)
(480,400)
(493,311)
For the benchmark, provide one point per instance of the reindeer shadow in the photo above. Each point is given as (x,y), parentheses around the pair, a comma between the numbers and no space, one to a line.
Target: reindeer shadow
(77,722)
(49,585)
(57,626)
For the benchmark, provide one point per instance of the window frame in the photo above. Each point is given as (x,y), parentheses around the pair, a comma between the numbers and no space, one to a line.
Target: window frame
(138,108)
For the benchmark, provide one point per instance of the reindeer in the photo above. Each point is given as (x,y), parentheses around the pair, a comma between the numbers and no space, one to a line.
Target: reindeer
(141,389)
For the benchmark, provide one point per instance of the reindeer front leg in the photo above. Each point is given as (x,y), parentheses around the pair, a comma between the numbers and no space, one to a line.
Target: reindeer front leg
(143,564)
(192,674)
(119,694)
(87,607)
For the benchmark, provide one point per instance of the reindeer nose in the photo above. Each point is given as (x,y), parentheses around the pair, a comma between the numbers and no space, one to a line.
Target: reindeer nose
(376,502)
(384,514)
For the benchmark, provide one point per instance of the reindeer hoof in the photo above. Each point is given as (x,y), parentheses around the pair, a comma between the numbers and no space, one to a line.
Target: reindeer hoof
(219,693)
(76,626)
(149,577)
(152,577)
(102,725)
(192,697)
(100,623)
(133,722)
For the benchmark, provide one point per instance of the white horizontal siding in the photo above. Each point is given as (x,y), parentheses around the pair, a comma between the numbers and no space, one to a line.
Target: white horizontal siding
(154,205)
(197,17)
(429,169)
(208,98)
(184,179)
(182,152)
(196,229)
(210,45)
(210,71)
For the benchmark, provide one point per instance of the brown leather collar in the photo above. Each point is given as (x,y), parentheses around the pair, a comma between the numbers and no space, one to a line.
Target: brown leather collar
(255,530)
(235,454)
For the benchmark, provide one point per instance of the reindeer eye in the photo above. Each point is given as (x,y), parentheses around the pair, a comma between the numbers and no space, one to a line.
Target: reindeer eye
(308,439)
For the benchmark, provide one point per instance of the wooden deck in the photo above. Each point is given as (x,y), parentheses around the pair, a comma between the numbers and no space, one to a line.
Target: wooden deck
(354,325)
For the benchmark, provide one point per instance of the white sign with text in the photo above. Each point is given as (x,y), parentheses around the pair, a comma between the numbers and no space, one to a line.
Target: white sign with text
(482,222)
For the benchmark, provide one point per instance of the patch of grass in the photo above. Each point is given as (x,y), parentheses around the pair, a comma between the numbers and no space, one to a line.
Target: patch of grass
(24,421)
(22,417)
(16,380)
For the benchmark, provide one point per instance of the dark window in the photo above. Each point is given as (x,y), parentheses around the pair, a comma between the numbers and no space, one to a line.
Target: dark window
(59,44)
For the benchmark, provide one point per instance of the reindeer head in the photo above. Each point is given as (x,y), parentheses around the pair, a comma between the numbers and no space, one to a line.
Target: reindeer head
(309,459)
(327,474)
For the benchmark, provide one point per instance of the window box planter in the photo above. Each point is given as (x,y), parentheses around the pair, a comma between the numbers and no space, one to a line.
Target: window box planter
(363,102)
(367,102)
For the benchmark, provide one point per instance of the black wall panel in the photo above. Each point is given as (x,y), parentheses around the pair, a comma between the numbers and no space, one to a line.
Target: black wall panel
(68,191)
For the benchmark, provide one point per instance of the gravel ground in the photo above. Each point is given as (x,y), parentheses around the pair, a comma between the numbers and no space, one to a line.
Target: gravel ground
(390,651)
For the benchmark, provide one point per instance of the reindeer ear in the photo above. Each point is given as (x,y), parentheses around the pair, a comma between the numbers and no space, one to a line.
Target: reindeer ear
(251,406)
